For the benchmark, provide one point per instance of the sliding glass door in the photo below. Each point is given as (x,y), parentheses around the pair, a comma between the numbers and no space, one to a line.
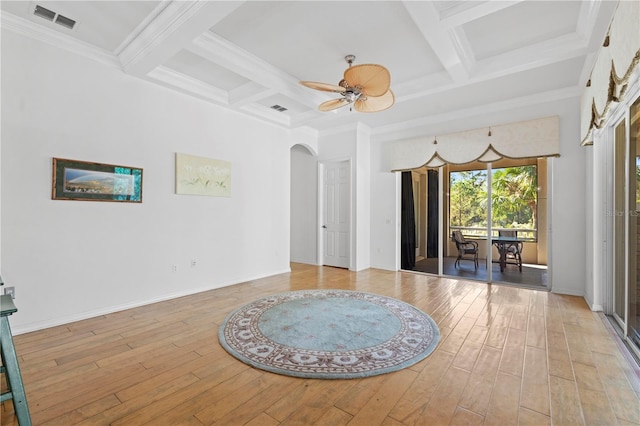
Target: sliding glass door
(511,234)
(498,210)
(619,223)
(625,277)
(633,292)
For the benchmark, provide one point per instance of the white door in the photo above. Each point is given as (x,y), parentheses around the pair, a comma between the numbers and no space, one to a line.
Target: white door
(336,216)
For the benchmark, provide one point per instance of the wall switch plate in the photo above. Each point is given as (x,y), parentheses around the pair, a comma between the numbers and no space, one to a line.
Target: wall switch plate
(10,291)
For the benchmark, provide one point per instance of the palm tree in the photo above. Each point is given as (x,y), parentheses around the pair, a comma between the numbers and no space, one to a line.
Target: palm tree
(513,188)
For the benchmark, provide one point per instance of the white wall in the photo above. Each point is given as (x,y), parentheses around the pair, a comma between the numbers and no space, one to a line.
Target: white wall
(567,205)
(363,198)
(304,206)
(385,217)
(72,259)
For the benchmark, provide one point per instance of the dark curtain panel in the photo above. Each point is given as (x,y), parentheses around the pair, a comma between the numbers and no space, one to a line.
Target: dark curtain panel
(432,213)
(408,227)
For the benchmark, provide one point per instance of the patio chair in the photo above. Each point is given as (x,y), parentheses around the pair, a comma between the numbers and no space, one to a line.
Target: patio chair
(513,251)
(467,250)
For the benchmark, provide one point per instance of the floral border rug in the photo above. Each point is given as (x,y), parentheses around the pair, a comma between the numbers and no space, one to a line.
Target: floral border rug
(329,334)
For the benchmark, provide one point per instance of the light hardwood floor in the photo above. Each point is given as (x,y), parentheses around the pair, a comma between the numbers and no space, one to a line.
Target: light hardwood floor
(507,356)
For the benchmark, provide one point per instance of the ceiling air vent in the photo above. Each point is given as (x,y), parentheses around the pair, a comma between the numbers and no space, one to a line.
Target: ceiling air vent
(65,22)
(278,108)
(52,16)
(44,13)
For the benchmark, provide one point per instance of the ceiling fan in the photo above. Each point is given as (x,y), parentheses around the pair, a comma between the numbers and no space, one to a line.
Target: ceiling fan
(365,86)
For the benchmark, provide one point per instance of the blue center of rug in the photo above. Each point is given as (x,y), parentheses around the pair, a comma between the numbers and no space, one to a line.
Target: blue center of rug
(328,324)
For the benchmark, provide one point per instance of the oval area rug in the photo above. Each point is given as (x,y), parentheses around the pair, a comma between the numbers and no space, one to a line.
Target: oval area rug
(329,334)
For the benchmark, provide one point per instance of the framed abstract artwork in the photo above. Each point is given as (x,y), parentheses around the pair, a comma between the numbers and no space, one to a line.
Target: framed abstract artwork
(202,176)
(86,181)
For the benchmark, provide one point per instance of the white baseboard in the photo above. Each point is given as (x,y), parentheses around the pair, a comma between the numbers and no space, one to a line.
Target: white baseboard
(27,328)
(596,308)
(568,292)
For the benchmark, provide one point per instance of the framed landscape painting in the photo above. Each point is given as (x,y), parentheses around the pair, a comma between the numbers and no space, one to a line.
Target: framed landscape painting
(202,176)
(83,180)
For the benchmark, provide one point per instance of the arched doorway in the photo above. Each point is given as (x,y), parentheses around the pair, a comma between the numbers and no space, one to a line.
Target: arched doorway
(304,206)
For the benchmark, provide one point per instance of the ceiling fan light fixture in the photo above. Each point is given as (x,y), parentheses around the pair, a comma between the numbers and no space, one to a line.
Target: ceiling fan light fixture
(352,95)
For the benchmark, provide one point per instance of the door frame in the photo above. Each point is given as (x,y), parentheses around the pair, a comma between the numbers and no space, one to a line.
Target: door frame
(320,215)
(441,225)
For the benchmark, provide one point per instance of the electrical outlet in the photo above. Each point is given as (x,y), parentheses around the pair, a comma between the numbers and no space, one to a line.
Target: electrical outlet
(193,263)
(174,268)
(10,291)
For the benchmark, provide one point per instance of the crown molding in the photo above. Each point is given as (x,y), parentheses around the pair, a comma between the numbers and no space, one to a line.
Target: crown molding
(305,131)
(363,130)
(248,93)
(307,117)
(587,17)
(56,39)
(411,128)
(266,114)
(189,85)
(348,127)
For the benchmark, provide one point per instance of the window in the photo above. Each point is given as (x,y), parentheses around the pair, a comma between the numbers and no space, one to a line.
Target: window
(514,200)
(468,201)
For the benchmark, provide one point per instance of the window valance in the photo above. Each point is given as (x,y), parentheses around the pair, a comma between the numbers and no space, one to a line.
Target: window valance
(617,60)
(523,139)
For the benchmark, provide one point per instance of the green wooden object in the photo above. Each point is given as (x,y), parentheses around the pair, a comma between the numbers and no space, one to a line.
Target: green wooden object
(10,365)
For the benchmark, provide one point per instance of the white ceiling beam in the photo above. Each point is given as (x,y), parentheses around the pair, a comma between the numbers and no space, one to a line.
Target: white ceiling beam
(467,12)
(463,47)
(533,56)
(174,27)
(226,54)
(546,53)
(451,54)
(187,84)
(247,93)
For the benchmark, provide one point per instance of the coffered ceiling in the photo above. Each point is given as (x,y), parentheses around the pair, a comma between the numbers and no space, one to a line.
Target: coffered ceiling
(447,59)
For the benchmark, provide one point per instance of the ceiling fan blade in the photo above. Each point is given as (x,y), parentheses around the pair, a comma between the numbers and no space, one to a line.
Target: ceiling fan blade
(325,87)
(333,104)
(375,103)
(373,80)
